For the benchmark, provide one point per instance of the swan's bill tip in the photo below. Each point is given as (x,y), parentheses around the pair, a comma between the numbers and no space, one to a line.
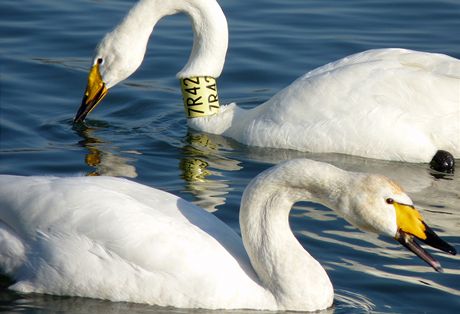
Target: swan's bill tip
(432,239)
(438,268)
(88,105)
(410,221)
(95,91)
(408,241)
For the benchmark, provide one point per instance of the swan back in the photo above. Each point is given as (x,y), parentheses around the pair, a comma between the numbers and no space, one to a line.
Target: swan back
(391,104)
(395,111)
(114,239)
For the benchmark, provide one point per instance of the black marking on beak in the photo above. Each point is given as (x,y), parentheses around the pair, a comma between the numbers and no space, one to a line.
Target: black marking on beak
(432,239)
(87,105)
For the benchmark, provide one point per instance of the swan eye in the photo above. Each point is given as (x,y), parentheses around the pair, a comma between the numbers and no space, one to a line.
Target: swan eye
(390,200)
(100,61)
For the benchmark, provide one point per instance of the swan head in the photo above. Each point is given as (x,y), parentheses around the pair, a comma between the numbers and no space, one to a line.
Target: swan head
(381,206)
(112,64)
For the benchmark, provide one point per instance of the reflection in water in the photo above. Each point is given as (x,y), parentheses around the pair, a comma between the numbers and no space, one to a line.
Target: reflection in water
(35,303)
(400,273)
(194,169)
(200,169)
(100,156)
(345,302)
(352,302)
(412,177)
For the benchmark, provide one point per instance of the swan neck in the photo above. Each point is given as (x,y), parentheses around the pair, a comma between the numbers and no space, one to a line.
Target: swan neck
(200,96)
(210,34)
(282,264)
(210,38)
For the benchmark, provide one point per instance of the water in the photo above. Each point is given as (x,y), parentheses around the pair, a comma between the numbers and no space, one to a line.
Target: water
(140,132)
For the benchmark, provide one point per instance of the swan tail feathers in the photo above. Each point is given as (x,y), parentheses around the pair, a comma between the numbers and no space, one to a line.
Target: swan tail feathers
(12,253)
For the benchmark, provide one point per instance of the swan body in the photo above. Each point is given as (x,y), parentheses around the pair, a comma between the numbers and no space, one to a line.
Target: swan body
(110,238)
(391,104)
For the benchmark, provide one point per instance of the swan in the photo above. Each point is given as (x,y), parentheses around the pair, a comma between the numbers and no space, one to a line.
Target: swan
(390,104)
(111,238)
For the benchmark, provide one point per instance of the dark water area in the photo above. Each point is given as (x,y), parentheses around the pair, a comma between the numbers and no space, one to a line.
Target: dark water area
(140,130)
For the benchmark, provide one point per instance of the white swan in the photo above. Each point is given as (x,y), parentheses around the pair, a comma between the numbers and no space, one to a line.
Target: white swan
(111,238)
(391,104)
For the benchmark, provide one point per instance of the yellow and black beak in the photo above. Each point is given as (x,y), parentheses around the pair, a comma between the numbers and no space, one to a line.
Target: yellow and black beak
(94,93)
(410,226)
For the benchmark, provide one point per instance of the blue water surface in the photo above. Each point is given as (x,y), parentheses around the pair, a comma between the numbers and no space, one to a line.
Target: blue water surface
(140,130)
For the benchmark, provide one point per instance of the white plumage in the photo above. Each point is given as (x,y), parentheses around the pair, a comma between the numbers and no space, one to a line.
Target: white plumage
(110,238)
(391,104)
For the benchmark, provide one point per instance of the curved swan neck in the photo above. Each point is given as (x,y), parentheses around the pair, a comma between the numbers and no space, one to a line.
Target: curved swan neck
(283,266)
(210,31)
(207,58)
(210,38)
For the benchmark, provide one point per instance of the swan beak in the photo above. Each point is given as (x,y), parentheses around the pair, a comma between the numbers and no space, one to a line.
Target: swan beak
(410,226)
(94,93)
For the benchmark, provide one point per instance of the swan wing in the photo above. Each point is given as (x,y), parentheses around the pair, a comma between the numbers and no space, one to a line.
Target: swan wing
(114,239)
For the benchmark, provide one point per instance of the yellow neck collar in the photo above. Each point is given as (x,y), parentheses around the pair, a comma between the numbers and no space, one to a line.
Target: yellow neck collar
(200,96)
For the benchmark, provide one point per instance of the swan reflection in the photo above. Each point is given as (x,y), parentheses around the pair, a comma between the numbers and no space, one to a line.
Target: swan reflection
(207,157)
(345,302)
(104,158)
(202,167)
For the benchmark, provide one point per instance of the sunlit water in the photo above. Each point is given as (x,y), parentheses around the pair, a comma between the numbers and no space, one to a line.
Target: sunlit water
(140,131)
